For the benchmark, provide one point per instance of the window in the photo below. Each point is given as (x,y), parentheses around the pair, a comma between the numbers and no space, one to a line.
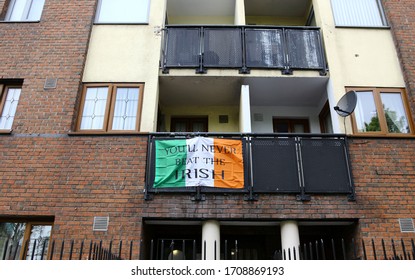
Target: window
(189,124)
(25,10)
(8,105)
(291,125)
(381,111)
(110,107)
(24,240)
(122,11)
(358,13)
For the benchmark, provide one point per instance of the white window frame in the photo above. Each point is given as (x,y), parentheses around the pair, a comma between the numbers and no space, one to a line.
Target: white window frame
(142,18)
(11,113)
(342,11)
(25,7)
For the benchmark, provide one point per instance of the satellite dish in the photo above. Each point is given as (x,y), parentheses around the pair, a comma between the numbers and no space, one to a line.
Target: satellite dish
(346,104)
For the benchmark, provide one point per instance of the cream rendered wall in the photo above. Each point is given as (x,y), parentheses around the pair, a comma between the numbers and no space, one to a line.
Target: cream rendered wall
(281,21)
(201,20)
(357,57)
(212,112)
(129,53)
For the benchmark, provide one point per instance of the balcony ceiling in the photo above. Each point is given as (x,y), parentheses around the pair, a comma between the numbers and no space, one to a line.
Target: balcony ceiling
(264,91)
(200,7)
(277,8)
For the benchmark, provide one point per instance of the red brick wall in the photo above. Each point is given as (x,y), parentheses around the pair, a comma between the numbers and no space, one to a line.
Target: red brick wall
(400,14)
(55,47)
(74,179)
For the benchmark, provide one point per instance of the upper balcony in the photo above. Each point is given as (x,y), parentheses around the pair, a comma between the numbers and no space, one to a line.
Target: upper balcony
(242,34)
(243,48)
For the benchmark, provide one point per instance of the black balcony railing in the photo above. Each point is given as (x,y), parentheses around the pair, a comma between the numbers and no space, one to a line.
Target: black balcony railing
(244,48)
(275,163)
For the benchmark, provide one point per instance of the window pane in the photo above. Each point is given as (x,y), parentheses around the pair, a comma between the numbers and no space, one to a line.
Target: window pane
(357,13)
(11,235)
(21,10)
(365,113)
(35,10)
(394,112)
(125,109)
(38,242)
(123,11)
(9,109)
(94,108)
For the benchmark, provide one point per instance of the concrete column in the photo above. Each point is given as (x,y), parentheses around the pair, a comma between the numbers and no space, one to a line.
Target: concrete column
(245,111)
(239,12)
(210,235)
(290,238)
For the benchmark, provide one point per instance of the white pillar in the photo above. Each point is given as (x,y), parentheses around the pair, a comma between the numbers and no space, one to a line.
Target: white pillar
(290,238)
(332,103)
(245,110)
(239,12)
(210,237)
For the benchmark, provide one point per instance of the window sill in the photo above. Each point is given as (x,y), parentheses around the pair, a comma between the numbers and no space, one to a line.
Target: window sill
(6,132)
(362,27)
(112,133)
(22,21)
(384,136)
(121,23)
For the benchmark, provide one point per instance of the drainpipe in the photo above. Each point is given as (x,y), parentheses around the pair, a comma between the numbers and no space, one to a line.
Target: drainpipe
(290,239)
(210,238)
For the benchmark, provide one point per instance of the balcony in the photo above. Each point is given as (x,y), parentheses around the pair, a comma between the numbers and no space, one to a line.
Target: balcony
(302,164)
(243,48)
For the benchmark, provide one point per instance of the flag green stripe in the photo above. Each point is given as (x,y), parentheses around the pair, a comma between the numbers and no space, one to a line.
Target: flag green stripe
(167,154)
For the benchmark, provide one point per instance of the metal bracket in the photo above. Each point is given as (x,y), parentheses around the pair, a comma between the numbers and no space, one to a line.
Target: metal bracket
(303,197)
(351,197)
(147,196)
(251,196)
(323,72)
(198,196)
(244,70)
(287,71)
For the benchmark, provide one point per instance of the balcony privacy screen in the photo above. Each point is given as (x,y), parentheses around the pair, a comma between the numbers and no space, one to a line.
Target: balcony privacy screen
(324,165)
(183,47)
(274,165)
(264,48)
(304,50)
(222,47)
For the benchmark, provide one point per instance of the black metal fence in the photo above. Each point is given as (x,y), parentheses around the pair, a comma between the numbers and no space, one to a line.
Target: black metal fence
(191,249)
(331,249)
(45,249)
(243,47)
(277,163)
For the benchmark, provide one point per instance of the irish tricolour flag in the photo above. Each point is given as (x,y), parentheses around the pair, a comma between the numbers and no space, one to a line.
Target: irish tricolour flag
(199,161)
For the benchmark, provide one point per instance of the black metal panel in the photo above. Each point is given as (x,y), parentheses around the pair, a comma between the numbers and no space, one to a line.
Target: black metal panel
(183,47)
(325,167)
(274,164)
(264,48)
(222,47)
(304,49)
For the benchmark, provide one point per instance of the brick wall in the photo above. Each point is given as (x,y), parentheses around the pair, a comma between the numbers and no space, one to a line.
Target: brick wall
(74,179)
(400,16)
(55,47)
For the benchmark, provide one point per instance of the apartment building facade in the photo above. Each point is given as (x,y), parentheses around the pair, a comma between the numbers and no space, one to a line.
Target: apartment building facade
(106,108)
